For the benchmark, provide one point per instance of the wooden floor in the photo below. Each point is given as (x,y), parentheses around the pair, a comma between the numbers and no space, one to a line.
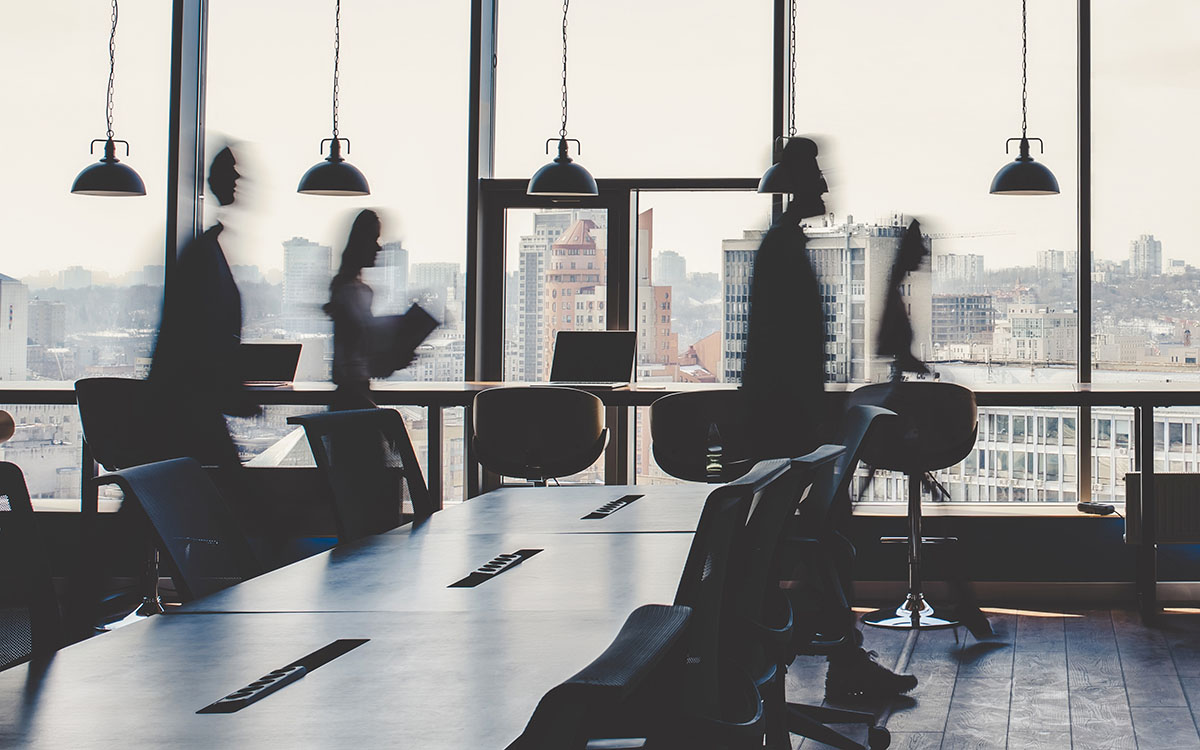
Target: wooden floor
(1086,679)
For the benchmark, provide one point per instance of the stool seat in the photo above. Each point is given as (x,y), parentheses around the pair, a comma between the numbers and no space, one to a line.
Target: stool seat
(936,426)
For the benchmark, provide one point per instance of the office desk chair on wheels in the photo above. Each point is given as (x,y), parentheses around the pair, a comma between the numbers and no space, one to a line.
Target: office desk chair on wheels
(936,429)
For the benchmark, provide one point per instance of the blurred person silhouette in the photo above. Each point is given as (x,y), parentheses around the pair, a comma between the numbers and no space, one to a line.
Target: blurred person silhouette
(356,355)
(895,340)
(783,380)
(194,375)
(895,330)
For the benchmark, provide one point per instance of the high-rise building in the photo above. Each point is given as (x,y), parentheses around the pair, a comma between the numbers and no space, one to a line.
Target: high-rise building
(14,328)
(954,272)
(389,279)
(1057,262)
(1145,257)
(670,268)
(962,318)
(657,344)
(47,323)
(75,277)
(852,262)
(737,262)
(576,277)
(435,287)
(531,356)
(307,271)
(1031,334)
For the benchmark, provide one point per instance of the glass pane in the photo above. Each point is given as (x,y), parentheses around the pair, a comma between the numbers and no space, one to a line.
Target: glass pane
(653,87)
(1144,275)
(1110,459)
(695,252)
(273,103)
(81,282)
(556,276)
(996,302)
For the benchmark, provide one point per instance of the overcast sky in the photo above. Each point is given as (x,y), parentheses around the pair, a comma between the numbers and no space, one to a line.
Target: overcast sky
(911,101)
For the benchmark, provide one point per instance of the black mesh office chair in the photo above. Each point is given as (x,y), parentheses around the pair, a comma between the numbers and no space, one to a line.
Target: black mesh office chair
(204,546)
(701,436)
(30,623)
(564,714)
(538,433)
(368,461)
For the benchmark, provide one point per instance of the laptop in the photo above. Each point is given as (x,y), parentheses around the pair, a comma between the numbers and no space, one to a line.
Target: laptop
(593,359)
(268,364)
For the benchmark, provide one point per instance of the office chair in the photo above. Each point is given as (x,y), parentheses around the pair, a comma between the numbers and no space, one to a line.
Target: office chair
(203,544)
(936,428)
(370,467)
(538,433)
(121,429)
(811,542)
(565,713)
(697,696)
(701,436)
(30,623)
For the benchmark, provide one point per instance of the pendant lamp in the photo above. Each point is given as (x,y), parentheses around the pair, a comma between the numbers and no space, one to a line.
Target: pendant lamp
(109,177)
(335,175)
(1024,176)
(776,179)
(563,178)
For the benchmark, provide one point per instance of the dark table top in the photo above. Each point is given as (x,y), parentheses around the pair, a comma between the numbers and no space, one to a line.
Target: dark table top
(424,680)
(559,510)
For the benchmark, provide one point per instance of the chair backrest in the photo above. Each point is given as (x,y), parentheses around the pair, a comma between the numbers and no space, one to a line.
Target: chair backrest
(936,426)
(538,433)
(681,428)
(370,466)
(199,536)
(702,586)
(30,623)
(116,415)
(832,481)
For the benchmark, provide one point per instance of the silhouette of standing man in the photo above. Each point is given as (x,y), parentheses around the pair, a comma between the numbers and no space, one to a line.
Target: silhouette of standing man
(194,374)
(784,374)
(784,384)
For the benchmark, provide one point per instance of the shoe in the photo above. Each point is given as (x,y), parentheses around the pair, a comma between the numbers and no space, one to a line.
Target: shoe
(855,673)
(976,623)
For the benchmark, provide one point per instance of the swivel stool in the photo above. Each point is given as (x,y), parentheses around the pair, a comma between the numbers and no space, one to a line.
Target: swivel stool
(936,428)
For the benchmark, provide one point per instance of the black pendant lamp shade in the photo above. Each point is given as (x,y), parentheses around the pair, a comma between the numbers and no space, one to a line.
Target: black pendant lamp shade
(109,177)
(335,175)
(562,177)
(1024,176)
(777,179)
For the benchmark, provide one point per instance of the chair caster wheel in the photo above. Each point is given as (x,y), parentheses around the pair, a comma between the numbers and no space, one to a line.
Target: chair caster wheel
(878,738)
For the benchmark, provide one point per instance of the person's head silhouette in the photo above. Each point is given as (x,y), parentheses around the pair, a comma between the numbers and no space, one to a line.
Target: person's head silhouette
(223,176)
(363,244)
(799,159)
(912,250)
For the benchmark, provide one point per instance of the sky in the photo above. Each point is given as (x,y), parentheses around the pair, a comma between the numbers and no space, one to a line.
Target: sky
(910,100)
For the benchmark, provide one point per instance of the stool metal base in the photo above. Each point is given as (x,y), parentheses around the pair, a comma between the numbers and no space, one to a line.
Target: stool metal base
(914,614)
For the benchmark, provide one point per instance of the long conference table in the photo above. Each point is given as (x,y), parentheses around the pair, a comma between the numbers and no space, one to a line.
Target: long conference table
(445,666)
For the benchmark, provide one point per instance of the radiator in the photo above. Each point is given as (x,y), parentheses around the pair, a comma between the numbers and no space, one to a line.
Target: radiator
(1176,501)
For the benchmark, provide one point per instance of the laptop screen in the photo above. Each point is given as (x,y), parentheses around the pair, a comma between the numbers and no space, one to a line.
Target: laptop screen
(268,363)
(593,356)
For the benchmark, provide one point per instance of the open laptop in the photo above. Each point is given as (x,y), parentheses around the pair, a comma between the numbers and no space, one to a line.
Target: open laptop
(593,359)
(271,364)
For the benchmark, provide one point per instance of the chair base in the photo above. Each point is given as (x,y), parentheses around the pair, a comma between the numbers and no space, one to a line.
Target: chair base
(149,607)
(915,613)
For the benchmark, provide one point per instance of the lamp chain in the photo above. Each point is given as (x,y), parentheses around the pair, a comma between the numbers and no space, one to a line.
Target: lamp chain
(562,132)
(792,61)
(337,47)
(112,67)
(1024,95)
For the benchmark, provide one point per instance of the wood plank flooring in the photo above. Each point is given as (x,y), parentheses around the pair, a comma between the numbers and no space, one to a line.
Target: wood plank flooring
(1088,680)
